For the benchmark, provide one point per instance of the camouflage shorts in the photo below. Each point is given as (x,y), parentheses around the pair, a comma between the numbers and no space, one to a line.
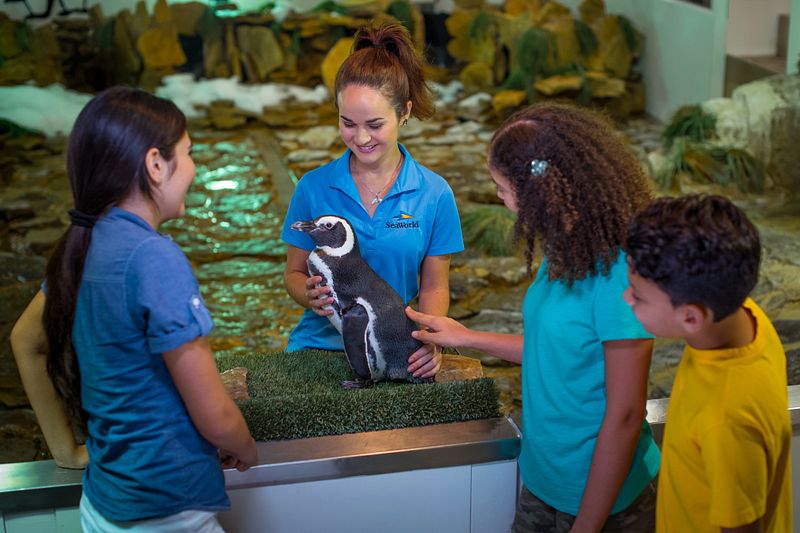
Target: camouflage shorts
(535,516)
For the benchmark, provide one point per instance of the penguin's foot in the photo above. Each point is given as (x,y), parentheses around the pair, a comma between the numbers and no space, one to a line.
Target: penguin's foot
(357,383)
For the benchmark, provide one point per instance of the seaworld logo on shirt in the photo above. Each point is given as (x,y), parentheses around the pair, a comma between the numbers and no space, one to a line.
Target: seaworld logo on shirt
(402,221)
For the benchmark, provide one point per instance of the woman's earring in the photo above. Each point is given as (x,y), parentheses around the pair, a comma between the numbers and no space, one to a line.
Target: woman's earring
(405,122)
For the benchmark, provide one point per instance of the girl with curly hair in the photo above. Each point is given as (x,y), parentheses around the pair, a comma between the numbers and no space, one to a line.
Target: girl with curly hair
(588,458)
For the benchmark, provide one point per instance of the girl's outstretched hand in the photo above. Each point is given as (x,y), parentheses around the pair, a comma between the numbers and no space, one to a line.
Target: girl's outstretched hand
(439,330)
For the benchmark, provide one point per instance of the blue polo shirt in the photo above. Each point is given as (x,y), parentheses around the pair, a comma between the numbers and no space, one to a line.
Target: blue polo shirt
(139,298)
(417,218)
(564,387)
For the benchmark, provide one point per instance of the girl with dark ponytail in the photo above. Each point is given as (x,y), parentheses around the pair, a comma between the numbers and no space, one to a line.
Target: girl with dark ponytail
(404,215)
(113,348)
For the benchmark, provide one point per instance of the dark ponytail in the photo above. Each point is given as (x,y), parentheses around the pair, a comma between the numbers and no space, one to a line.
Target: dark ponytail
(105,164)
(384,58)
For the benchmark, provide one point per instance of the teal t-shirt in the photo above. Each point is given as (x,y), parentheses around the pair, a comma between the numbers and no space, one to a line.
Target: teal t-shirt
(563,385)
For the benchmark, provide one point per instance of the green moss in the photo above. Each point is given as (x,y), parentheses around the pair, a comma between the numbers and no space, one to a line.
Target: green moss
(299,394)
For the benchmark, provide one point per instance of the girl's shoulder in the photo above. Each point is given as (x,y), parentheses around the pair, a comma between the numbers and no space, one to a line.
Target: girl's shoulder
(159,253)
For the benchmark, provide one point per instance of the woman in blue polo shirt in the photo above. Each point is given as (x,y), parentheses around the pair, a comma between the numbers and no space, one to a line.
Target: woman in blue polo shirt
(115,343)
(404,215)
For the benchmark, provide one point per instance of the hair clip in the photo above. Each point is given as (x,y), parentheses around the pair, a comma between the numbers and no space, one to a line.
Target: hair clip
(538,167)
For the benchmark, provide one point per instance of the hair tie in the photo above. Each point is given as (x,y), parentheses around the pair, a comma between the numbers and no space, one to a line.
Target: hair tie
(79,218)
(538,167)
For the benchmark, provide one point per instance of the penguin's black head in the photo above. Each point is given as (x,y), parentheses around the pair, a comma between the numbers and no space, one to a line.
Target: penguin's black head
(328,231)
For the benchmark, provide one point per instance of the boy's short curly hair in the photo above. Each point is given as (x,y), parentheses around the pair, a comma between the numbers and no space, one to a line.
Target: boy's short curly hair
(698,249)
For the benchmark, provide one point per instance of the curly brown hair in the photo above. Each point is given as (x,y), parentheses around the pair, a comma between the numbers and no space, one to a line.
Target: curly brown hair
(580,201)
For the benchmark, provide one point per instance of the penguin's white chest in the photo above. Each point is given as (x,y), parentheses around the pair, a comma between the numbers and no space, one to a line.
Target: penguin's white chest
(317,265)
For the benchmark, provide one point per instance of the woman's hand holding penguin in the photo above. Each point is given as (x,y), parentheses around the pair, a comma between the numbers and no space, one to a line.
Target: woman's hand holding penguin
(318,296)
(425,362)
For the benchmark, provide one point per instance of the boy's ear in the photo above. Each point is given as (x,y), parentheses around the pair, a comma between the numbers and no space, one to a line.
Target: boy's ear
(693,317)
(156,166)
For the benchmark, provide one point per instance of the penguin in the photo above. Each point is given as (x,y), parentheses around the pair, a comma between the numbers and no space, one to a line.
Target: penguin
(367,311)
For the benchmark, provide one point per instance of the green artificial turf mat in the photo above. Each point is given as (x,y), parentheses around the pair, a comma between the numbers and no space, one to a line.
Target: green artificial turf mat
(299,394)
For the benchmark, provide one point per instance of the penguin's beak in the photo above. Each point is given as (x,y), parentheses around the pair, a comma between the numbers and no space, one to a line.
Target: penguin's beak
(305,227)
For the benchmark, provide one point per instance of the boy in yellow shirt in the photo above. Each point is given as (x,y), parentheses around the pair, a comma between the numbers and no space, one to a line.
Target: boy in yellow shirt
(725,461)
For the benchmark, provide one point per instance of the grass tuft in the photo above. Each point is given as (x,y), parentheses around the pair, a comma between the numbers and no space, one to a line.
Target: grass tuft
(490,229)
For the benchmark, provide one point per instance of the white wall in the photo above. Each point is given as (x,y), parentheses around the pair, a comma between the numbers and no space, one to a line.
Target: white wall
(684,55)
(753,26)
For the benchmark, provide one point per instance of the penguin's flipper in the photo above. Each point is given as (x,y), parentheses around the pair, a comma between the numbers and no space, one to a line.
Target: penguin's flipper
(355,324)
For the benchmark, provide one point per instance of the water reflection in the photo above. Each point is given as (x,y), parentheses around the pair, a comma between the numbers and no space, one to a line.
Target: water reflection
(231,235)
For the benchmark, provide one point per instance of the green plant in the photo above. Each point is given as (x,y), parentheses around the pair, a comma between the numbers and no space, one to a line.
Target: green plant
(481,26)
(743,169)
(712,164)
(535,46)
(584,96)
(533,49)
(587,39)
(629,32)
(24,36)
(489,229)
(14,130)
(692,123)
(401,10)
(329,6)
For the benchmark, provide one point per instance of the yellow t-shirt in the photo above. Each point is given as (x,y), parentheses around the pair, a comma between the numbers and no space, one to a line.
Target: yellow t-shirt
(725,458)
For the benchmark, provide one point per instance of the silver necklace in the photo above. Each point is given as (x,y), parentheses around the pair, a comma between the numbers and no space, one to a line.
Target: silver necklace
(376,196)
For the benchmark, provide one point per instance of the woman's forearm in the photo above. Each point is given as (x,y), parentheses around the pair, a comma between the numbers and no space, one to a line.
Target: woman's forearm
(295,283)
(435,302)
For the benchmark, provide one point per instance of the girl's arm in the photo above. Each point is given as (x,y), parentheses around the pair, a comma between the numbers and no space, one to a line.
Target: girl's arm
(212,411)
(434,299)
(302,287)
(29,344)
(627,363)
(444,331)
